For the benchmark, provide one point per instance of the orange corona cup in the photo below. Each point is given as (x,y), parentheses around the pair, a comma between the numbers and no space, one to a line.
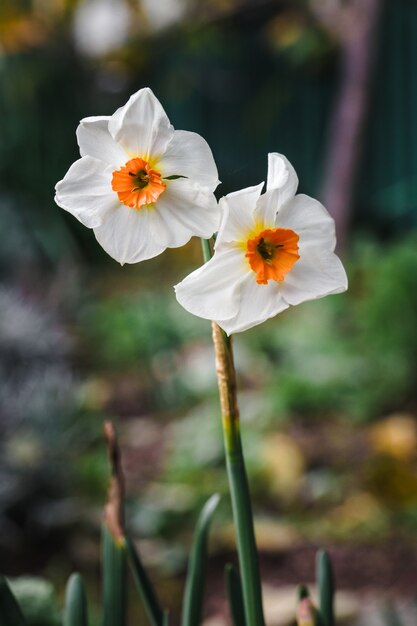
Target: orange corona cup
(272,253)
(137,184)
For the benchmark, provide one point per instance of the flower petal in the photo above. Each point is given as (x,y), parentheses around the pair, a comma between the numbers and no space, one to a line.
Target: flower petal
(127,235)
(317,273)
(267,208)
(257,304)
(237,214)
(141,126)
(86,192)
(95,140)
(213,291)
(310,220)
(281,175)
(189,155)
(182,211)
(281,186)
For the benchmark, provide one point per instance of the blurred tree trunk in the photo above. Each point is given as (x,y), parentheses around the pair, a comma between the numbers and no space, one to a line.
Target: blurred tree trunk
(353,23)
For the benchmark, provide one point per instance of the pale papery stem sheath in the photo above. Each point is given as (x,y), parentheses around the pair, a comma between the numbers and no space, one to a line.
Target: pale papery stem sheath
(236,471)
(114,509)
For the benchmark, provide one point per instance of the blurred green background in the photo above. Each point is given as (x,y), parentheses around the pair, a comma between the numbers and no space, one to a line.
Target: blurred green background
(328,389)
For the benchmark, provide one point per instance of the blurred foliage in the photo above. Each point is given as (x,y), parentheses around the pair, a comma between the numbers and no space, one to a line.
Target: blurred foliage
(37,600)
(127,330)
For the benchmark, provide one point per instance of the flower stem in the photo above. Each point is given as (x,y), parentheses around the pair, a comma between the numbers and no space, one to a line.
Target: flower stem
(238,481)
(205,246)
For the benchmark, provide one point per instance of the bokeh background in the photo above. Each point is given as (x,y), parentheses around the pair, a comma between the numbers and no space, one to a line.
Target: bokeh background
(327,390)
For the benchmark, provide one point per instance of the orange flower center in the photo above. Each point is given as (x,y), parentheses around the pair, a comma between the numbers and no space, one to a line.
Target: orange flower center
(272,253)
(137,184)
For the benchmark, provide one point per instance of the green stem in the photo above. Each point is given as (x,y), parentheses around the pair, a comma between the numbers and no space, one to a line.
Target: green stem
(205,246)
(238,482)
(236,471)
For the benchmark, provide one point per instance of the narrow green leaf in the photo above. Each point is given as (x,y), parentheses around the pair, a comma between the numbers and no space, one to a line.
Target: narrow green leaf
(303,592)
(75,612)
(145,588)
(10,613)
(234,594)
(194,585)
(114,580)
(166,619)
(325,583)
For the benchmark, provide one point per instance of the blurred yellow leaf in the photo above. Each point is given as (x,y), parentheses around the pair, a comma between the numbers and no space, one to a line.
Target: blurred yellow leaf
(283,464)
(396,435)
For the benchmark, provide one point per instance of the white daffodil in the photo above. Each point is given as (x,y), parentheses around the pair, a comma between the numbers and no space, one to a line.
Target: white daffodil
(141,185)
(272,251)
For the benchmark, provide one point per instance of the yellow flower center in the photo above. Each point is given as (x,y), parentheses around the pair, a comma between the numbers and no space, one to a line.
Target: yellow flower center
(137,184)
(272,253)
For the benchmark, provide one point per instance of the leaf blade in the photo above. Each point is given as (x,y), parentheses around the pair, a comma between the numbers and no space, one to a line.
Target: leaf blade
(235,596)
(114,580)
(326,587)
(146,590)
(10,612)
(75,611)
(194,586)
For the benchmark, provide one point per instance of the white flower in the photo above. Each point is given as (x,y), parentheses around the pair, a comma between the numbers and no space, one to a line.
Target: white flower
(272,251)
(141,185)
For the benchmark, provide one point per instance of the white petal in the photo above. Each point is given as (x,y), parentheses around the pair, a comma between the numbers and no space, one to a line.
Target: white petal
(95,140)
(281,186)
(257,304)
(315,274)
(86,192)
(237,214)
(281,175)
(141,126)
(182,211)
(127,235)
(310,220)
(213,291)
(267,207)
(188,154)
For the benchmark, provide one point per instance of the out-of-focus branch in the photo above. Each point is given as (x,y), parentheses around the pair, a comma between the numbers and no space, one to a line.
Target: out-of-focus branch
(354,24)
(114,509)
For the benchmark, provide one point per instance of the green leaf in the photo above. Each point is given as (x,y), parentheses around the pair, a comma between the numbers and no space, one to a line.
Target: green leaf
(114,580)
(234,593)
(75,612)
(303,592)
(174,177)
(194,585)
(145,588)
(10,613)
(325,583)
